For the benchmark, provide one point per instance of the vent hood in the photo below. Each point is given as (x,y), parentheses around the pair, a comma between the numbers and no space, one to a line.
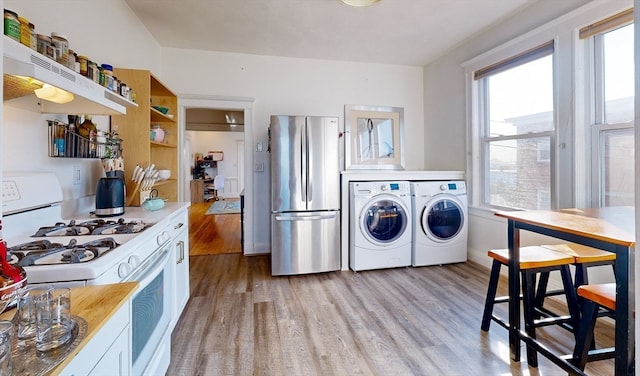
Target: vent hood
(26,70)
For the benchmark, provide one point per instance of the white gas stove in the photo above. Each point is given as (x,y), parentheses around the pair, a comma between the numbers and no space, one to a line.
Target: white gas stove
(73,252)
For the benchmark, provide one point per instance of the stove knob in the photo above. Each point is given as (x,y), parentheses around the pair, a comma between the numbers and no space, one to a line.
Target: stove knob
(162,237)
(134,261)
(124,270)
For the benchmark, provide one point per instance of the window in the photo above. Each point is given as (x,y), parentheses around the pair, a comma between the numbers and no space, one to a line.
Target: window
(516,99)
(551,121)
(612,130)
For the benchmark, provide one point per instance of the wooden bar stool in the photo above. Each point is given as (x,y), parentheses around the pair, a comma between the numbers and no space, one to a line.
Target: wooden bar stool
(584,257)
(596,296)
(534,260)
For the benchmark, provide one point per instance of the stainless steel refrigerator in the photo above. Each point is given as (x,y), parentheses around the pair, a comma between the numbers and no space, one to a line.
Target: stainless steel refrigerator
(305,194)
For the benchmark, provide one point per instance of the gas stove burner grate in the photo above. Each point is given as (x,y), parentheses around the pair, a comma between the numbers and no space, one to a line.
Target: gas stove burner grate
(91,227)
(36,245)
(43,252)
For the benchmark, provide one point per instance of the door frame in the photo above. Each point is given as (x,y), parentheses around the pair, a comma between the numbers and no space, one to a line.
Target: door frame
(229,103)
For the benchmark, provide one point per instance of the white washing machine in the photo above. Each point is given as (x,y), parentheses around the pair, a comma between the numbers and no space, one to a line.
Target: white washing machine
(380,225)
(440,222)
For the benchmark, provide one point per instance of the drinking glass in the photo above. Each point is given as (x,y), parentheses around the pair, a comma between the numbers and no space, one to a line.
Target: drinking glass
(6,341)
(26,312)
(53,319)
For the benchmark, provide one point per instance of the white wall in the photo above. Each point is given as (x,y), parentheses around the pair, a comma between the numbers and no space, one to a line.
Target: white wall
(296,86)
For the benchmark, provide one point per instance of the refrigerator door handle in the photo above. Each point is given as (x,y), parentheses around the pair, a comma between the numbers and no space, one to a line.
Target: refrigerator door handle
(304,165)
(305,218)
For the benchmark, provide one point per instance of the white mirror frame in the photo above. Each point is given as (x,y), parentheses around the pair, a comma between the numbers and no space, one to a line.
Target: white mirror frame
(360,116)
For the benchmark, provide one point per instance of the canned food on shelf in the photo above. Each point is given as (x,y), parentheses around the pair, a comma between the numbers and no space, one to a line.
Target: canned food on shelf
(11,25)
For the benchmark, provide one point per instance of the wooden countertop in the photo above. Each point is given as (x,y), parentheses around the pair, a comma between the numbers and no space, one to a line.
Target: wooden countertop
(614,225)
(95,304)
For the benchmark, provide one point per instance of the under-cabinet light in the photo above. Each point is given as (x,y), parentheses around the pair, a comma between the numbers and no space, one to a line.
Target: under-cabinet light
(53,94)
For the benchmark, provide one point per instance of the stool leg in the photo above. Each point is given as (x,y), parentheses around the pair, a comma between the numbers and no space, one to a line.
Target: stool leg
(491,295)
(529,299)
(585,334)
(582,278)
(571,297)
(541,293)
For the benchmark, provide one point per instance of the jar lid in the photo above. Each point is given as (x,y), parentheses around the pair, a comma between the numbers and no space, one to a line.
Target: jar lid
(7,11)
(44,37)
(58,35)
(23,19)
(107,67)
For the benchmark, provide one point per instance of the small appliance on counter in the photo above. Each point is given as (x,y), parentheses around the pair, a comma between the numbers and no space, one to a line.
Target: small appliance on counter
(110,196)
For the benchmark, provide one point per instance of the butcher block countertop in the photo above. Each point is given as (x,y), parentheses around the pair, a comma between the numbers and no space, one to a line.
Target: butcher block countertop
(95,304)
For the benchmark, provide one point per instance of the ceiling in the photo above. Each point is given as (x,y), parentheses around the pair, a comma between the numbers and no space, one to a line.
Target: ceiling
(405,32)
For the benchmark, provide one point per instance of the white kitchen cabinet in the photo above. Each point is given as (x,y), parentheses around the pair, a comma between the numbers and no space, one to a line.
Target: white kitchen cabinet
(117,360)
(181,291)
(108,353)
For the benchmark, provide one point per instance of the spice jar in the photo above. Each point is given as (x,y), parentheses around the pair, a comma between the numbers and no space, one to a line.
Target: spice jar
(33,41)
(109,80)
(11,25)
(84,62)
(45,47)
(61,45)
(25,33)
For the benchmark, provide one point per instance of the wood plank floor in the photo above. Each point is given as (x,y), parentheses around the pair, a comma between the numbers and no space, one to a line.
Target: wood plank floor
(213,234)
(403,321)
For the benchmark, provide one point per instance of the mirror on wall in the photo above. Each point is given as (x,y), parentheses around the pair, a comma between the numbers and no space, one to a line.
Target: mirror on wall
(374,137)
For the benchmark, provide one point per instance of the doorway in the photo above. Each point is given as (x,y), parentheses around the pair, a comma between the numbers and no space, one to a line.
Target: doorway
(202,118)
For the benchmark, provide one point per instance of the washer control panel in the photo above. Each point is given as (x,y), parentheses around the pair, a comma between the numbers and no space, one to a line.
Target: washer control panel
(372,188)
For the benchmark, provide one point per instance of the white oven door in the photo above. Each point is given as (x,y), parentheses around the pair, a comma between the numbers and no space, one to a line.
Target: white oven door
(151,308)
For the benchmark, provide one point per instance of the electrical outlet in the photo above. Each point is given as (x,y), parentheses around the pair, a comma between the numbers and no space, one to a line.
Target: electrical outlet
(76,175)
(259,167)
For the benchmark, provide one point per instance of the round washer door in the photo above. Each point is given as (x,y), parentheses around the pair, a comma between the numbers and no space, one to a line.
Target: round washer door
(384,220)
(442,218)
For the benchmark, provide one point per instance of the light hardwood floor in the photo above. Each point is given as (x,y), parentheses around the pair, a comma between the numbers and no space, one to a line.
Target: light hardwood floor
(213,234)
(403,321)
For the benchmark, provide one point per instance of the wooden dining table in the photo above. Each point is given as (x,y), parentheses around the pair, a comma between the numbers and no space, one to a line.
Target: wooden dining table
(611,229)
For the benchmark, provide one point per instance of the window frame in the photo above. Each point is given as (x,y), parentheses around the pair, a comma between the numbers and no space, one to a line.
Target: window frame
(571,151)
(594,54)
(485,139)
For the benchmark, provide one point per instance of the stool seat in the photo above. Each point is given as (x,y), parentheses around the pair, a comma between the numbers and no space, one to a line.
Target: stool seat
(582,253)
(533,257)
(603,294)
(595,296)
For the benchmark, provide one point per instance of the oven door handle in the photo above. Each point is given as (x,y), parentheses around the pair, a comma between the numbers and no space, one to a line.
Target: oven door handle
(150,268)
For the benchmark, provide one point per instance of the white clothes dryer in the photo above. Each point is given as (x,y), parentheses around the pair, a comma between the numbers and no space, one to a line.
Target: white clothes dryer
(380,225)
(440,222)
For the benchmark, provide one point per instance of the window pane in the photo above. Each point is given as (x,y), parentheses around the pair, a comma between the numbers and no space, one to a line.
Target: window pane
(618,167)
(618,75)
(521,99)
(519,175)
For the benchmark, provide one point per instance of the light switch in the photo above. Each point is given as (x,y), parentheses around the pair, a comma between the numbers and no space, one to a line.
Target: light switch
(259,147)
